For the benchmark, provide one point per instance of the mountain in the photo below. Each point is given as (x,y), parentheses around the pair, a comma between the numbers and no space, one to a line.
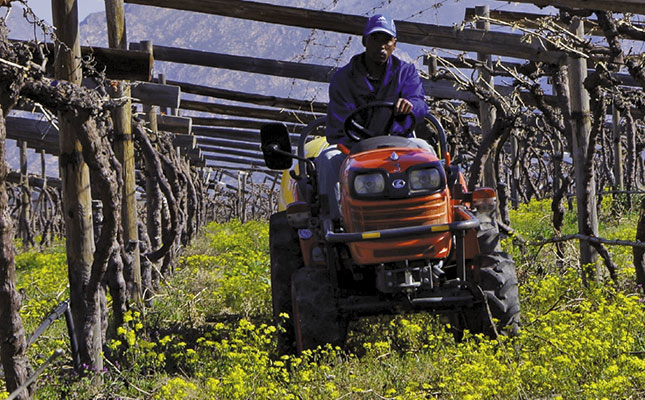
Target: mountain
(256,39)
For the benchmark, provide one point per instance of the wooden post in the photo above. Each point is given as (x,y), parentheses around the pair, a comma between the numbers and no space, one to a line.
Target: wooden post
(515,174)
(13,348)
(433,69)
(23,157)
(25,209)
(584,172)
(162,79)
(43,164)
(123,144)
(240,196)
(618,149)
(154,200)
(77,199)
(639,252)
(487,113)
(153,212)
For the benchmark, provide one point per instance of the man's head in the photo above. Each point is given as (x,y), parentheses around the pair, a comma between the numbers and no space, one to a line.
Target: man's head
(380,23)
(379,38)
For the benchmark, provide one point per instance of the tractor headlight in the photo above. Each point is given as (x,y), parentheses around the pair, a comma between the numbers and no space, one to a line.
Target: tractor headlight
(425,179)
(366,184)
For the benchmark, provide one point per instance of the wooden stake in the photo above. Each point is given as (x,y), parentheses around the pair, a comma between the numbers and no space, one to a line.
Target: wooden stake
(487,113)
(618,149)
(77,199)
(24,228)
(584,171)
(123,145)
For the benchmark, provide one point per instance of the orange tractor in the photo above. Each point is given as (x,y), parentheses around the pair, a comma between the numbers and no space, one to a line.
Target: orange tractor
(410,238)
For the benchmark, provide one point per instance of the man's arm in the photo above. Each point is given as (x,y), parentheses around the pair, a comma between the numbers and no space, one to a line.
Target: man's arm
(412,91)
(411,98)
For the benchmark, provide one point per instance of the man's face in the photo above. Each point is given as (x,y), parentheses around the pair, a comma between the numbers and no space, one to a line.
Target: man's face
(379,46)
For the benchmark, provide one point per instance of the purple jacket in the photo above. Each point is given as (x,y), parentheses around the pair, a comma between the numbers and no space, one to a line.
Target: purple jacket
(350,88)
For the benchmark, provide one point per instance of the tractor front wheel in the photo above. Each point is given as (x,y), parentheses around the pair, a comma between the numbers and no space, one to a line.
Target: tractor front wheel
(286,258)
(316,317)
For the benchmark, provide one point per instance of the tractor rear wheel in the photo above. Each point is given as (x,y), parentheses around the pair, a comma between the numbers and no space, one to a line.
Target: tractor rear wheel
(316,317)
(488,236)
(499,284)
(286,258)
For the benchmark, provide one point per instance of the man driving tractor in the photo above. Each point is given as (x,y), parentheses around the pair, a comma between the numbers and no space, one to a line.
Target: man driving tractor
(374,75)
(381,222)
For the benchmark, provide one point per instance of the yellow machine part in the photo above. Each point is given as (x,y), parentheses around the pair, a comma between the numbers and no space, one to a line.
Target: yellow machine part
(288,185)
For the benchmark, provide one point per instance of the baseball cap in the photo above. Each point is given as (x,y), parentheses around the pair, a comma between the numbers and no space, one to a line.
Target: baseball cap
(380,23)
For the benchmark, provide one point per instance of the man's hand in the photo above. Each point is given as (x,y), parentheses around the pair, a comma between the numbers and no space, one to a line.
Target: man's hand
(402,107)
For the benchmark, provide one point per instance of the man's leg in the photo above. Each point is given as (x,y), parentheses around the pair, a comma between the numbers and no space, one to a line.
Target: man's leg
(423,144)
(328,164)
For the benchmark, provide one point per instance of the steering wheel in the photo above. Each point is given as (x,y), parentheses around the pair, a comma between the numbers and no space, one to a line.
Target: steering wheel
(356,132)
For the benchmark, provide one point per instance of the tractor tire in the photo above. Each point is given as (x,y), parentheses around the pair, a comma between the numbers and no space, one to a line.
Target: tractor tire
(317,320)
(286,258)
(488,237)
(500,287)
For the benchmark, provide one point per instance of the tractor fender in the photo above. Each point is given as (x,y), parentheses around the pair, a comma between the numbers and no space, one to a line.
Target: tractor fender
(288,187)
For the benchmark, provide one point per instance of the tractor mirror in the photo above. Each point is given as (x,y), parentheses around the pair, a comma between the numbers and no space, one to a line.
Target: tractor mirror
(276,146)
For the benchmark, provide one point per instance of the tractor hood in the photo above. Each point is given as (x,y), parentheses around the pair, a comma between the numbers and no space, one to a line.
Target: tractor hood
(392,173)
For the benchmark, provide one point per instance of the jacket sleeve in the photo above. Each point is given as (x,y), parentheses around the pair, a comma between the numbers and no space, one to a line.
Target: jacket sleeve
(339,107)
(412,90)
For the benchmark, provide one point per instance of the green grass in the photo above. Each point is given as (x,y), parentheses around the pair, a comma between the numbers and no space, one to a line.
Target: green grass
(209,333)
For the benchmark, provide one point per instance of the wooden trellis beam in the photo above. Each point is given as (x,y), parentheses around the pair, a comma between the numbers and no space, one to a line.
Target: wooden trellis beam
(52,149)
(445,91)
(262,100)
(624,6)
(625,79)
(204,142)
(288,69)
(255,155)
(15,177)
(529,20)
(148,93)
(219,166)
(175,124)
(38,134)
(194,156)
(41,135)
(240,123)
(186,142)
(447,37)
(116,63)
(234,134)
(156,94)
(250,163)
(249,112)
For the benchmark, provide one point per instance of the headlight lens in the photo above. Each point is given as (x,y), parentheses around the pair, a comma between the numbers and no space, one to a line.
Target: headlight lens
(369,183)
(428,178)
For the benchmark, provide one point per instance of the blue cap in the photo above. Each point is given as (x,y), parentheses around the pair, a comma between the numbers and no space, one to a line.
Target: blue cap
(380,23)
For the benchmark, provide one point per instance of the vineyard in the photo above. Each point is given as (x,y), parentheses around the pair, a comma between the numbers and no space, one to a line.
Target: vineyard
(210,334)
(142,270)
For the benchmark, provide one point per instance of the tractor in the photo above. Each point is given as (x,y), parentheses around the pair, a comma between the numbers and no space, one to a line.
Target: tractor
(411,237)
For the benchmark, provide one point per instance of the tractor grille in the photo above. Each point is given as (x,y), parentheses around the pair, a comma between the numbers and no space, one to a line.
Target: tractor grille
(379,215)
